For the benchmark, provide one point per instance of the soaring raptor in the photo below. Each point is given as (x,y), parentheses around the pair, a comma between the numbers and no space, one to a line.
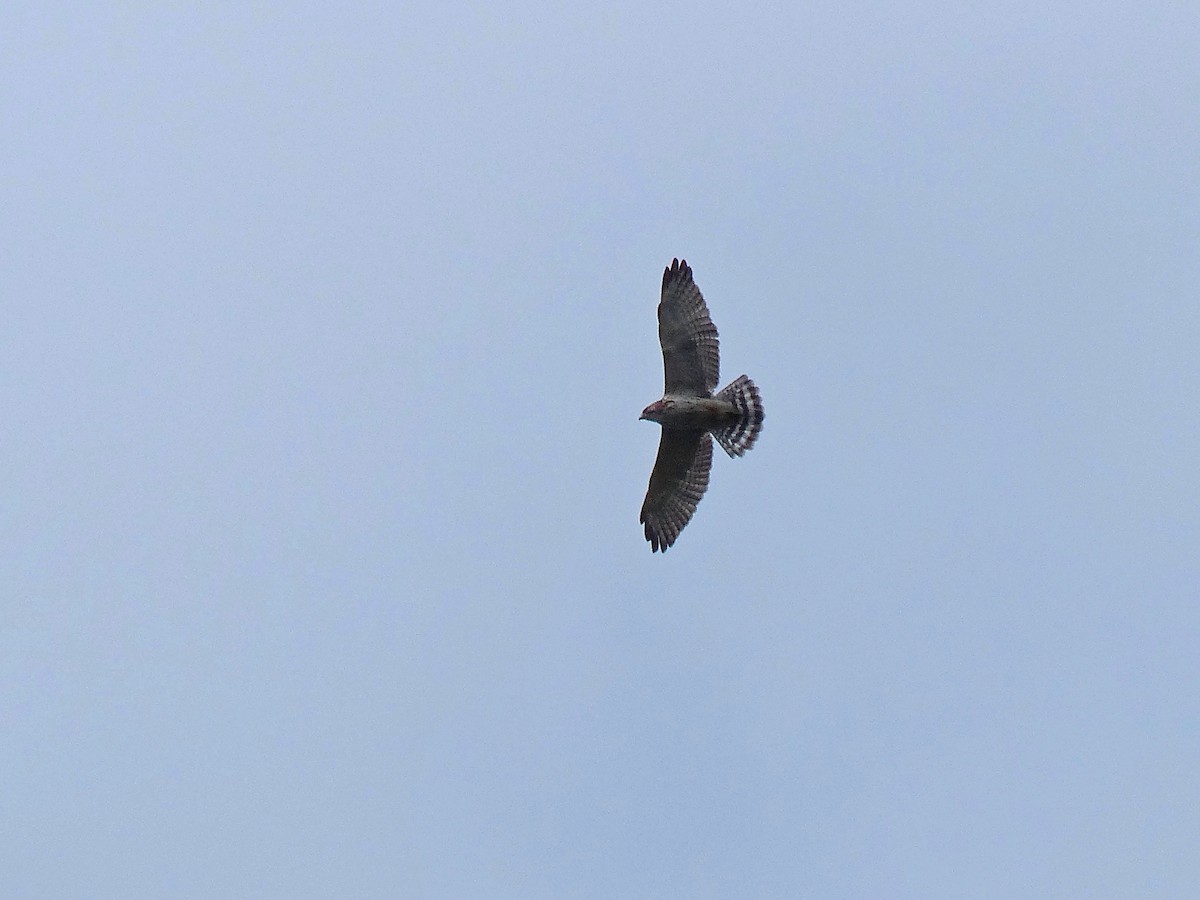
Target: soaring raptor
(689,413)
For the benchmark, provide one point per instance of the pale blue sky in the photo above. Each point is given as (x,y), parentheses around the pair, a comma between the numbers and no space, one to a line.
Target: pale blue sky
(328,327)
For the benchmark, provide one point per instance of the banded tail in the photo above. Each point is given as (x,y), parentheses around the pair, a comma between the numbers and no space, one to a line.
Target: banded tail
(739,437)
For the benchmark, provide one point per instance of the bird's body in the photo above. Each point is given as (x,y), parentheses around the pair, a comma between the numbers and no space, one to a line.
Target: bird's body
(689,413)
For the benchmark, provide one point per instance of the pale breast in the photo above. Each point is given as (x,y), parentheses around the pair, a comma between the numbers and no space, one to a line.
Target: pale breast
(699,412)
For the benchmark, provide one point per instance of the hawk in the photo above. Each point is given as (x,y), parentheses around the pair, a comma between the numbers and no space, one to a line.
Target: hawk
(689,413)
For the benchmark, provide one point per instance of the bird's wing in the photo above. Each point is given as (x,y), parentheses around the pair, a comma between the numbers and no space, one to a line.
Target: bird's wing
(677,483)
(691,358)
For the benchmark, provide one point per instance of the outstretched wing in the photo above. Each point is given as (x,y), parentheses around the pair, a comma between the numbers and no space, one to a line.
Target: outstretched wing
(691,359)
(677,483)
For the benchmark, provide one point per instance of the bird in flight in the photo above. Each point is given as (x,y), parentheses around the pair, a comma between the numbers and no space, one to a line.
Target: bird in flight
(689,413)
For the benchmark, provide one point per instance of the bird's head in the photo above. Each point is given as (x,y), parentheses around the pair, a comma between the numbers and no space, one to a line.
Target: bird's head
(654,412)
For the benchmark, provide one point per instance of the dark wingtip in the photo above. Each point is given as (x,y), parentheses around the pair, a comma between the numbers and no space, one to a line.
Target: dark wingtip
(678,268)
(657,543)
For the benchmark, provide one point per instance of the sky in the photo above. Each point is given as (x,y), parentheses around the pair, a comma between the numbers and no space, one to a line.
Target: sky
(327,329)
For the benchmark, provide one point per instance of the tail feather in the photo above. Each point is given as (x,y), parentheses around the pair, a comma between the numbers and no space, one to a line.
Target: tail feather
(739,437)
